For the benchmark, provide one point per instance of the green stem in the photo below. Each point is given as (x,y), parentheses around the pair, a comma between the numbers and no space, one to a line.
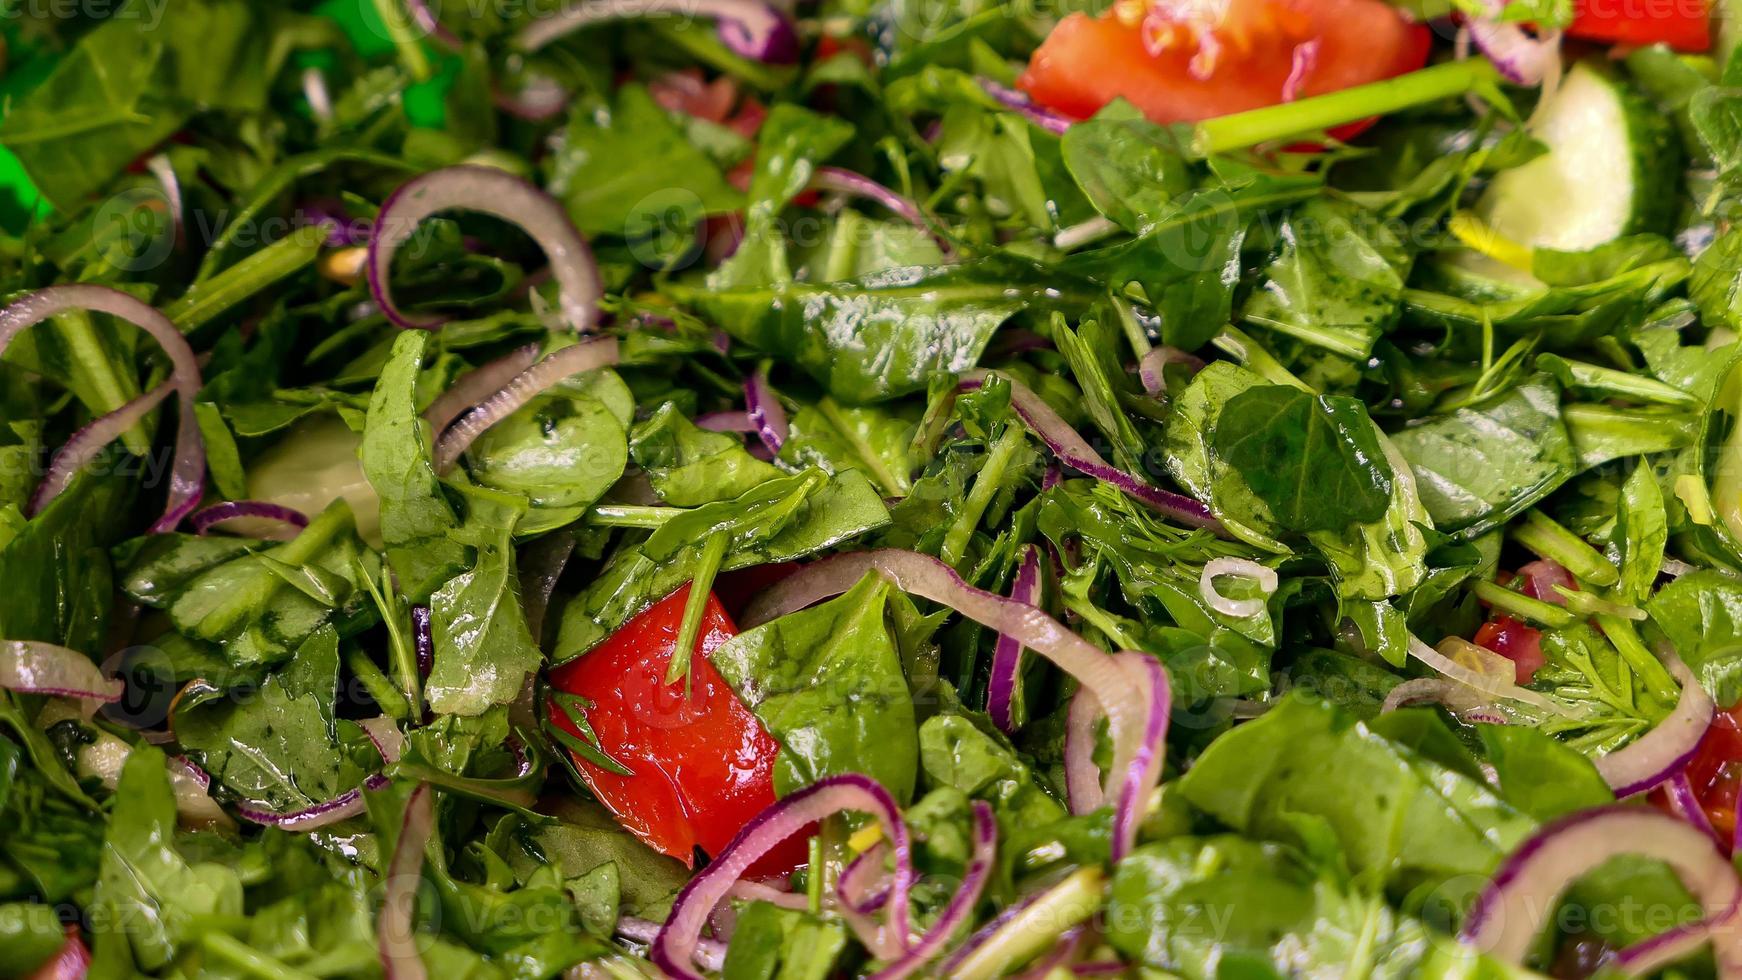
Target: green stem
(1321,112)
(986,484)
(1255,358)
(1036,928)
(632,515)
(400,648)
(690,629)
(813,882)
(405,38)
(1658,682)
(1548,539)
(204,301)
(391,701)
(247,960)
(1520,606)
(93,368)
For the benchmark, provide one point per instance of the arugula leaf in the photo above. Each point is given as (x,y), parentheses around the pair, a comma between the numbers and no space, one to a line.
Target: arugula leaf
(1483,465)
(875,439)
(417,522)
(1315,461)
(790,145)
(1716,284)
(827,683)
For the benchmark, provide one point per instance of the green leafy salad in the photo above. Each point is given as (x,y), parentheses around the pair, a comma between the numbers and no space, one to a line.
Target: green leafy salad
(808,489)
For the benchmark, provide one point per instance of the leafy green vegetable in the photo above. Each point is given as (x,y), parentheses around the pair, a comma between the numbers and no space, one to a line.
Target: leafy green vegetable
(1315,462)
(1336,281)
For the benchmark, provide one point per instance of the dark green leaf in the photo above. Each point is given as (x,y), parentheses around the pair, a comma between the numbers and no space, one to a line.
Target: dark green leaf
(1316,462)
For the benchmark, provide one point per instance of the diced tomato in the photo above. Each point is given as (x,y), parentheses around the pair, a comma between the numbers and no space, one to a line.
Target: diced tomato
(1516,642)
(702,764)
(1178,64)
(1715,771)
(1685,25)
(71,963)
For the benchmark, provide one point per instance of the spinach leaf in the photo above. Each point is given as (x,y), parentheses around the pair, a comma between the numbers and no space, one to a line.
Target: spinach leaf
(57,568)
(584,839)
(483,649)
(606,195)
(874,439)
(561,451)
(1700,613)
(1716,284)
(772,943)
(957,752)
(1129,168)
(1483,465)
(1539,775)
(1395,815)
(417,521)
(1315,461)
(827,683)
(278,747)
(1641,531)
(1336,281)
(688,466)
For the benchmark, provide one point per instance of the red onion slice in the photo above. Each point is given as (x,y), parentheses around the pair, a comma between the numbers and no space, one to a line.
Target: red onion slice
(1483,683)
(538,99)
(476,385)
(1686,804)
(1511,910)
(161,169)
(28,667)
(676,944)
(1082,778)
(88,443)
(751,28)
(342,807)
(431,26)
(388,739)
(588,355)
(1301,65)
(922,575)
(710,953)
(839,180)
(1662,752)
(1239,567)
(1007,654)
(396,930)
(494,192)
(1021,104)
(961,904)
(232,510)
(1523,59)
(726,422)
(1151,369)
(1072,451)
(188,477)
(863,887)
(765,411)
(1143,771)
(422,639)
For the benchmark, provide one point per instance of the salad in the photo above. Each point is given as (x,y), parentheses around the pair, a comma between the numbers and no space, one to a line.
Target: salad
(635,488)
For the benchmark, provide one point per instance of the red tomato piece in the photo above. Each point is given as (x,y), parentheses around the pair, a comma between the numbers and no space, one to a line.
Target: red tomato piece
(1715,771)
(1685,25)
(1516,642)
(1177,67)
(703,764)
(71,963)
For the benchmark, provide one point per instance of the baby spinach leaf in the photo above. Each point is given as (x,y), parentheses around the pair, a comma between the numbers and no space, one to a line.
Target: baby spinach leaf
(1336,280)
(688,466)
(827,684)
(585,838)
(1541,776)
(562,451)
(874,439)
(1482,465)
(483,649)
(1701,615)
(956,752)
(1129,168)
(1716,284)
(1395,815)
(772,943)
(56,566)
(1316,462)
(277,747)
(416,519)
(1641,531)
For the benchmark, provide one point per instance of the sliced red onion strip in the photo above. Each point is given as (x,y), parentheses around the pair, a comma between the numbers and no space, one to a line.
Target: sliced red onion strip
(386,736)
(1300,68)
(863,886)
(961,904)
(1057,909)
(476,385)
(28,667)
(325,814)
(1021,104)
(1686,805)
(539,99)
(1419,690)
(493,192)
(1482,683)
(89,442)
(1523,59)
(675,946)
(396,930)
(1072,451)
(765,411)
(161,169)
(188,477)
(431,26)
(755,891)
(1662,752)
(726,422)
(588,355)
(710,953)
(314,89)
(1243,568)
(1510,911)
(1007,654)
(751,28)
(925,576)
(231,510)
(1082,778)
(1151,369)
(422,639)
(1143,772)
(839,180)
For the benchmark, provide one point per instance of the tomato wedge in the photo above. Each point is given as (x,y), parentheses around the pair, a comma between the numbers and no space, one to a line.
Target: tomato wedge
(1685,25)
(1164,58)
(702,764)
(1715,771)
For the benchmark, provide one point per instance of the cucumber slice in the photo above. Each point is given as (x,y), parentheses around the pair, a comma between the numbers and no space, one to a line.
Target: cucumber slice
(1610,169)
